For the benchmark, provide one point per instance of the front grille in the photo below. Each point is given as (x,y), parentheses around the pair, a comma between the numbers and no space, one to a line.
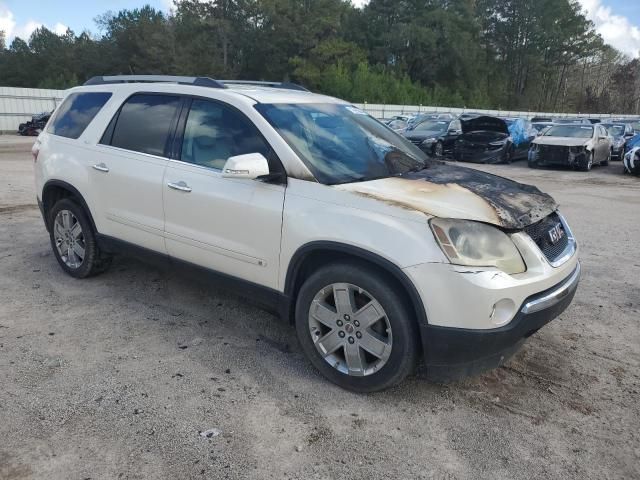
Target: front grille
(553,153)
(539,233)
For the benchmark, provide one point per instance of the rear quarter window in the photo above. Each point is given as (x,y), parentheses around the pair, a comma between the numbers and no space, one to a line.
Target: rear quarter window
(76,113)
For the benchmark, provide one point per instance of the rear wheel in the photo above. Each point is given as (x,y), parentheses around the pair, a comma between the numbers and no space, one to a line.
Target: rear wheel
(355,328)
(74,242)
(605,162)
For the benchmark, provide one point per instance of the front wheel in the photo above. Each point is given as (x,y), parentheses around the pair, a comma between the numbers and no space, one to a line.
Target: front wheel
(588,162)
(355,328)
(438,149)
(73,240)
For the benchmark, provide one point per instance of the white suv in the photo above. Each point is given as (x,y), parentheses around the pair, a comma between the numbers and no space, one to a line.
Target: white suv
(380,256)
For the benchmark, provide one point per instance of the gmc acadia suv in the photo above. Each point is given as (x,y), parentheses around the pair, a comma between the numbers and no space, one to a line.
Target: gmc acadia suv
(380,256)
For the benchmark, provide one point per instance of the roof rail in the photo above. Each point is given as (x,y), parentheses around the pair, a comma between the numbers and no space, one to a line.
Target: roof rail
(197,81)
(284,85)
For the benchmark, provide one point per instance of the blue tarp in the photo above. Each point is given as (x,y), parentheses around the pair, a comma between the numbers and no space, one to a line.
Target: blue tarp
(519,132)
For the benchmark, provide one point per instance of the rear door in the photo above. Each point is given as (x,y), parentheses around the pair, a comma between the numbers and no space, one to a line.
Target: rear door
(128,169)
(228,225)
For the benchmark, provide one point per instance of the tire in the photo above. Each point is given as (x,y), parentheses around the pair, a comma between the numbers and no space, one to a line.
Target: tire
(586,167)
(73,240)
(532,164)
(438,149)
(508,156)
(604,163)
(394,335)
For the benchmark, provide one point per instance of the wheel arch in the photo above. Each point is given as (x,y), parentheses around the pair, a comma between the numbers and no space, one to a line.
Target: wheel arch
(315,254)
(55,190)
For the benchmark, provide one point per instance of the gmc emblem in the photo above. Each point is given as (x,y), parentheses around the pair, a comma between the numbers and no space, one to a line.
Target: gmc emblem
(555,234)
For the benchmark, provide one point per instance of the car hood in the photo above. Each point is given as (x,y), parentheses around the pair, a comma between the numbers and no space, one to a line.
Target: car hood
(484,123)
(450,191)
(564,141)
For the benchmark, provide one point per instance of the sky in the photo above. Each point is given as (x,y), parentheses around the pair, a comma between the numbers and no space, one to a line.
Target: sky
(618,21)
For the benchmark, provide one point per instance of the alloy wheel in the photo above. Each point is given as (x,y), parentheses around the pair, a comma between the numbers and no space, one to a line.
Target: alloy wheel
(69,238)
(350,329)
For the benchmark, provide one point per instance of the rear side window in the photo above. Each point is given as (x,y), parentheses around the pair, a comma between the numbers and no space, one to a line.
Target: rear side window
(76,113)
(144,124)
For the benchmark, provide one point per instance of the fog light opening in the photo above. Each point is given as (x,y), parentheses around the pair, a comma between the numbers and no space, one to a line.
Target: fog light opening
(502,312)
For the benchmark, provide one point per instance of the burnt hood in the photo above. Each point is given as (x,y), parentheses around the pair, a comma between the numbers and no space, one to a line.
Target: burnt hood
(484,123)
(450,191)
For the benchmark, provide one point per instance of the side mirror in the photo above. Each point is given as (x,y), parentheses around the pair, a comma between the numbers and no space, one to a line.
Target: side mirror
(249,166)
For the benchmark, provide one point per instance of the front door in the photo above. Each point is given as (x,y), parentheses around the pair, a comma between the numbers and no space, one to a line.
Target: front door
(232,226)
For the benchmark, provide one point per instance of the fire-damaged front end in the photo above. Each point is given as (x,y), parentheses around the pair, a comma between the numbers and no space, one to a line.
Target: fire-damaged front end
(484,139)
(512,263)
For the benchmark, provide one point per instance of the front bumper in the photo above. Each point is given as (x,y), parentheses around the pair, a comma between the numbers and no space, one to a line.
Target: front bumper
(617,152)
(480,153)
(557,155)
(452,353)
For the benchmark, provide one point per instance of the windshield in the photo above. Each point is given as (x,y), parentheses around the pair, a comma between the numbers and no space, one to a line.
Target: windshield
(615,130)
(576,131)
(342,144)
(431,126)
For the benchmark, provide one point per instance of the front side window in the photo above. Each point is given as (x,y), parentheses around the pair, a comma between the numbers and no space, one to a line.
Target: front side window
(145,123)
(76,112)
(340,143)
(214,132)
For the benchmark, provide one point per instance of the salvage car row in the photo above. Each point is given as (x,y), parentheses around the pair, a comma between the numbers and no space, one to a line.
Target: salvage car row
(578,143)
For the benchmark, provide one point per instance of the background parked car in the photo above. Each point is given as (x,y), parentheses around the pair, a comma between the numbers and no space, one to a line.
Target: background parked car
(633,123)
(541,119)
(631,161)
(541,126)
(619,133)
(571,120)
(484,140)
(429,116)
(578,146)
(434,137)
(397,124)
(34,126)
(631,143)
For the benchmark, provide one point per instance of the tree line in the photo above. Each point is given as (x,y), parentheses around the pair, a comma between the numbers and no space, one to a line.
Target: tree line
(511,54)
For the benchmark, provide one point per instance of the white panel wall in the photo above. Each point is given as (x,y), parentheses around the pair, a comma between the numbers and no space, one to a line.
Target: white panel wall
(388,111)
(17,105)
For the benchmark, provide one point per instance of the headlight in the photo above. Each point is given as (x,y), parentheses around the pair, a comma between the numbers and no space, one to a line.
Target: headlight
(476,244)
(498,144)
(429,140)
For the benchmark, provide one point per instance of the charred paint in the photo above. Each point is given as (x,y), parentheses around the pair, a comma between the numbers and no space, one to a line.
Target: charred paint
(444,190)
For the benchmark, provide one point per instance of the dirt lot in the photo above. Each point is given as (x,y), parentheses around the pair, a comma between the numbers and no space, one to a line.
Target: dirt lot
(115,376)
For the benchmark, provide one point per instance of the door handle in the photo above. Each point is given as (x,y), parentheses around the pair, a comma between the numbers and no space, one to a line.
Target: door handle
(182,186)
(101,167)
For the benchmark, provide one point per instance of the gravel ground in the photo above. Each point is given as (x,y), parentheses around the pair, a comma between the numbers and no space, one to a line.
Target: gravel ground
(116,376)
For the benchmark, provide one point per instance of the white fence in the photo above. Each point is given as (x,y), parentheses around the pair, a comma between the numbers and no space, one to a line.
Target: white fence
(17,105)
(388,111)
